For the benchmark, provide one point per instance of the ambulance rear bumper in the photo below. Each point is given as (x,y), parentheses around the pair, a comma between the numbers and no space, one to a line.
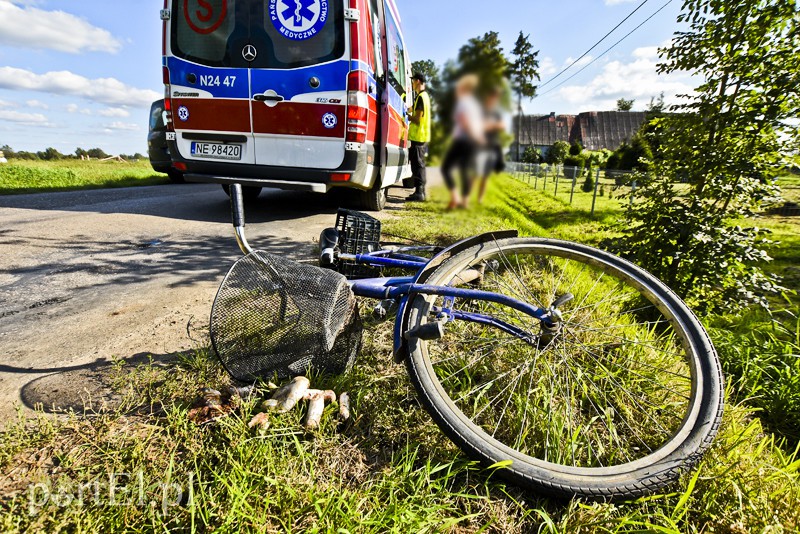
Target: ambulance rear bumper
(311,187)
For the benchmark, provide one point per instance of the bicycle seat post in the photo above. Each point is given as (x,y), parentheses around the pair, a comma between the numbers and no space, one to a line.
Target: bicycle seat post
(237,214)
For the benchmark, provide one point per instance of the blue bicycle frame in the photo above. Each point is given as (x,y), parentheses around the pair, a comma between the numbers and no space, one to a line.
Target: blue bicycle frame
(401,288)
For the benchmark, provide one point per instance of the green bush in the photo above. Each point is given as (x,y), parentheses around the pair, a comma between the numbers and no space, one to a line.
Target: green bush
(557,152)
(532,155)
(576,149)
(588,184)
(575,161)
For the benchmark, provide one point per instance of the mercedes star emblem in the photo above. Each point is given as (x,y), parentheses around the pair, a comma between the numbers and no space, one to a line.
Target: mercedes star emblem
(249,53)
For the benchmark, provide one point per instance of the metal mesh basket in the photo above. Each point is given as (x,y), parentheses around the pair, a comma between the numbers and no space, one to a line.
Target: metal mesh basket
(358,234)
(276,316)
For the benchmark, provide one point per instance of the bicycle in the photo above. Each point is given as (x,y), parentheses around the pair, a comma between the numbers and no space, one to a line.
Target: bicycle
(572,371)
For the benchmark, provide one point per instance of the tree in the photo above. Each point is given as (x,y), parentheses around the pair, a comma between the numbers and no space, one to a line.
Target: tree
(558,152)
(625,105)
(725,141)
(80,153)
(8,152)
(50,154)
(482,56)
(96,153)
(522,72)
(656,106)
(532,155)
(575,149)
(635,157)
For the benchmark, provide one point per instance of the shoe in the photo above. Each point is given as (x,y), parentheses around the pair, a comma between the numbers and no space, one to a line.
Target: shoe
(416,197)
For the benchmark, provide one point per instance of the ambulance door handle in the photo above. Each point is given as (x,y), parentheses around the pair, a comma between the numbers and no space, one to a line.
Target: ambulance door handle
(268,98)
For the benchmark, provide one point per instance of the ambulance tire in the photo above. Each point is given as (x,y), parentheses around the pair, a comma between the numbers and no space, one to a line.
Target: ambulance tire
(249,192)
(374,199)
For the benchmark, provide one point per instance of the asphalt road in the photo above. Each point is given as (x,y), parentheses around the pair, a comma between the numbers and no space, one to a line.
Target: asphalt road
(90,277)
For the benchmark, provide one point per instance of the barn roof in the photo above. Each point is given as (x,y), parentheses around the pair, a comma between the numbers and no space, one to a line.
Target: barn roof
(594,129)
(609,129)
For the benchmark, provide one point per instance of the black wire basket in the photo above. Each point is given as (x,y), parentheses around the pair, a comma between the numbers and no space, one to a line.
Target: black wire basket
(275,317)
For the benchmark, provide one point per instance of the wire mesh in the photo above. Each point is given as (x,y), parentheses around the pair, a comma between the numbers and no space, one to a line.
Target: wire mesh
(273,316)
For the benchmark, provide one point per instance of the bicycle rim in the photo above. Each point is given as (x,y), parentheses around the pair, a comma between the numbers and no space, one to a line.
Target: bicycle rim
(628,382)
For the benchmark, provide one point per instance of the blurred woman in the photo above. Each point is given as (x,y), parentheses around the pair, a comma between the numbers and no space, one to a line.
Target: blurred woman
(493,160)
(468,138)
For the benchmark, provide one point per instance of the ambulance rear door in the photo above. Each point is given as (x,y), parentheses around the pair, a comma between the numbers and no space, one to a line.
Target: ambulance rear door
(299,83)
(208,47)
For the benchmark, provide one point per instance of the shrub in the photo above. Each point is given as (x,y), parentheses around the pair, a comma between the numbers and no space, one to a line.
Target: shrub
(532,155)
(575,161)
(557,152)
(576,149)
(588,184)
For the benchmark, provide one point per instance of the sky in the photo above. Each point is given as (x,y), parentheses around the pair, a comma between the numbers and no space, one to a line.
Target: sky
(83,73)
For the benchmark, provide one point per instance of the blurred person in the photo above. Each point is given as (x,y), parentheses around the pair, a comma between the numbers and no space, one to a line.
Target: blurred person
(420,135)
(468,138)
(493,160)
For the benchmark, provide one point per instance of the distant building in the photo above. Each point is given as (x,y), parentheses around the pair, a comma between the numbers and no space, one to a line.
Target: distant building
(595,130)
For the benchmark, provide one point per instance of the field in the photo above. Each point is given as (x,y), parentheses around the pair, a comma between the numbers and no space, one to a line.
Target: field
(390,469)
(21,177)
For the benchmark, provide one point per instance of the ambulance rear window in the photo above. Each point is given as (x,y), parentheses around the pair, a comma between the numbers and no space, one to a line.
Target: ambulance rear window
(286,33)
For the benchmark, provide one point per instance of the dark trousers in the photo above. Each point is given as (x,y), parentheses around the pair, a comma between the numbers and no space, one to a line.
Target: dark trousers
(419,172)
(462,156)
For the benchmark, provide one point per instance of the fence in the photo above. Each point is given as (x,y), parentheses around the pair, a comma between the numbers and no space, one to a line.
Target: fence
(573,182)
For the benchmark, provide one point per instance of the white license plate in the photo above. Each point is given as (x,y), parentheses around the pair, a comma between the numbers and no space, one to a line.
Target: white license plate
(217,151)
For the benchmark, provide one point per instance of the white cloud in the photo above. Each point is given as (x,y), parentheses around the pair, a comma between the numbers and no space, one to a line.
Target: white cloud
(617,2)
(547,67)
(24,118)
(37,104)
(637,79)
(583,61)
(114,112)
(127,126)
(30,27)
(4,104)
(109,91)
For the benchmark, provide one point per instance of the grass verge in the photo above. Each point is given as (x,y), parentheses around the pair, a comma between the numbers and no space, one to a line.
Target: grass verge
(23,177)
(389,470)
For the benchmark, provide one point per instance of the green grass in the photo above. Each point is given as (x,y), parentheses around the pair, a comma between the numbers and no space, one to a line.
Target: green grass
(391,469)
(22,177)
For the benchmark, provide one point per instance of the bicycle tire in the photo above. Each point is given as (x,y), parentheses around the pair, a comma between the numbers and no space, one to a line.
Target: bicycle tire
(539,463)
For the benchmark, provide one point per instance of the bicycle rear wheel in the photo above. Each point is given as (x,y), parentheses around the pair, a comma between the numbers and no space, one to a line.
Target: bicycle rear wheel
(617,402)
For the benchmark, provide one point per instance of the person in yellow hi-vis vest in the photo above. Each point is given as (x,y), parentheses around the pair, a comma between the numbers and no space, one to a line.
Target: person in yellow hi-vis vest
(420,135)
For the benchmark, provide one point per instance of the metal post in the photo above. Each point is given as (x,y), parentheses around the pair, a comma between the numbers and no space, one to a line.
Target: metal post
(574,182)
(555,193)
(596,185)
(633,191)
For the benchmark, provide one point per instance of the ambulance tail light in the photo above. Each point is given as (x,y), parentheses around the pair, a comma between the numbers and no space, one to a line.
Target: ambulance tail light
(168,99)
(357,107)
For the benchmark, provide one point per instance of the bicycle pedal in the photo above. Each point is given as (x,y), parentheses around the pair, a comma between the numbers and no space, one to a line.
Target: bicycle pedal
(427,332)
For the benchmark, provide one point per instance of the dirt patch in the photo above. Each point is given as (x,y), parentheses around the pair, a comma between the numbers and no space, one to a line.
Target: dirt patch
(79,391)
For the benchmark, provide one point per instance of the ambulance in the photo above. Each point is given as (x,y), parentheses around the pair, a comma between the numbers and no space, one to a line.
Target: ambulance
(306,95)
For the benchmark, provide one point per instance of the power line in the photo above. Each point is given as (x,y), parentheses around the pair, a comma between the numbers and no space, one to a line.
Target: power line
(609,49)
(594,45)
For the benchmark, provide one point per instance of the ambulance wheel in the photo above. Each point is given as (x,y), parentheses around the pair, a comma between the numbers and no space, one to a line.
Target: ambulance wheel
(373,200)
(249,192)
